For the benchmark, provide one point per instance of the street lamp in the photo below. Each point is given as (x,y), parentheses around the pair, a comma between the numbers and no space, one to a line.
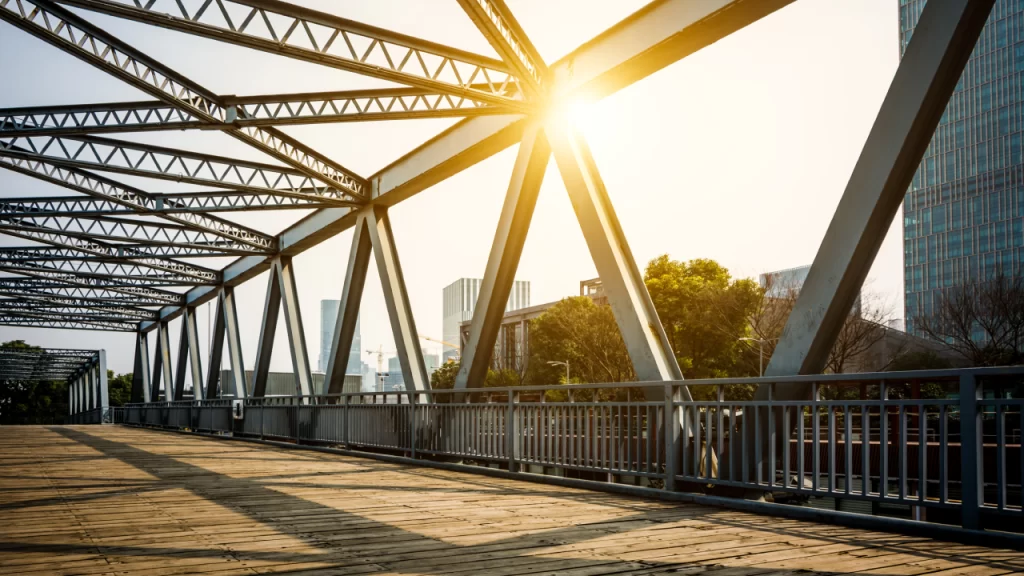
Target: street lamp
(559,363)
(760,341)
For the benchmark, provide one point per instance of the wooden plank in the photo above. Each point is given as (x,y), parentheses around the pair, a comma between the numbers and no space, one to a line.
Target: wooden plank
(98,500)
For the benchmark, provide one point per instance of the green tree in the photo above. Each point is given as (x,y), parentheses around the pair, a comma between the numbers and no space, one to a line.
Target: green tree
(444,377)
(119,388)
(31,402)
(705,312)
(577,331)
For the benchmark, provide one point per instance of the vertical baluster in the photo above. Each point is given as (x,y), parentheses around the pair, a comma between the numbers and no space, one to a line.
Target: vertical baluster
(865,449)
(720,398)
(922,453)
(943,455)
(697,448)
(903,452)
(772,435)
(800,462)
(816,441)
(1000,456)
(759,472)
(743,440)
(883,440)
(833,437)
(848,447)
(785,446)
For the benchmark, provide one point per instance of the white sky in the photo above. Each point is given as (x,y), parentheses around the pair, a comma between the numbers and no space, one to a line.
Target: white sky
(737,153)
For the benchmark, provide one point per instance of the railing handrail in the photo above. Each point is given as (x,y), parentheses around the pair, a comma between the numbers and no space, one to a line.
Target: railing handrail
(895,377)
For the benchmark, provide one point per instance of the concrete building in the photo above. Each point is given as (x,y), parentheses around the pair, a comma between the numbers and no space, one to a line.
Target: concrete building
(512,347)
(459,302)
(328,317)
(782,283)
(963,216)
(283,383)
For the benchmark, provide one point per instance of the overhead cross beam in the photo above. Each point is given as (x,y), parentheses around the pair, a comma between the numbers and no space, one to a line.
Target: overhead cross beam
(96,186)
(322,38)
(266,110)
(76,36)
(133,159)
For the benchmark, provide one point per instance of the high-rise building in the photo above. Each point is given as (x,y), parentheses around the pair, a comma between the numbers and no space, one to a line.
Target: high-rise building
(963,216)
(328,317)
(460,301)
(395,379)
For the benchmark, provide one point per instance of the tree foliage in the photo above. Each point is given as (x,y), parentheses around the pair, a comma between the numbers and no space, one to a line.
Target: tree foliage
(983,322)
(705,312)
(578,331)
(31,402)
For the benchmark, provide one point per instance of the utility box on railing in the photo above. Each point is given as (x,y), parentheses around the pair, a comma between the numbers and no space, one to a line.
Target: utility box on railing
(237,407)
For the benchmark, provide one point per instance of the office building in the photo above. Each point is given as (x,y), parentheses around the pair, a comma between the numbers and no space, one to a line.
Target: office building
(328,317)
(395,380)
(963,216)
(459,301)
(787,283)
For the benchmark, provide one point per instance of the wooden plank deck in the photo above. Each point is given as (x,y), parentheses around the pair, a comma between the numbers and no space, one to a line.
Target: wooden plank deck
(112,500)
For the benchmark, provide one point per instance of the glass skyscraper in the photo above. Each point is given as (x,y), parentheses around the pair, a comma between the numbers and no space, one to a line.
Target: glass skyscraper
(963,217)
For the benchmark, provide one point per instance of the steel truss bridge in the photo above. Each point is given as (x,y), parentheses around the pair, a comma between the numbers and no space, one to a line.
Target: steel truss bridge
(111,256)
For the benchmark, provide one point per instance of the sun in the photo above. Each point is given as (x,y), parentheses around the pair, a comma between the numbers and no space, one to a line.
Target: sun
(575,113)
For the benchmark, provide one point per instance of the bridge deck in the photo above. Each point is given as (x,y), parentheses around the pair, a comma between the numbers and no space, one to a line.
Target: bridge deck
(114,500)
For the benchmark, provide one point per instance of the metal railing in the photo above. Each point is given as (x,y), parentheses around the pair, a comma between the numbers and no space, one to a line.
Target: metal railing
(97,416)
(946,442)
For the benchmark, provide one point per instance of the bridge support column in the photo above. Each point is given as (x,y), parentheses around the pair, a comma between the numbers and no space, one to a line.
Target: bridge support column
(348,310)
(162,366)
(642,331)
(102,386)
(188,356)
(503,261)
(931,67)
(403,326)
(234,341)
(214,388)
(281,291)
(140,373)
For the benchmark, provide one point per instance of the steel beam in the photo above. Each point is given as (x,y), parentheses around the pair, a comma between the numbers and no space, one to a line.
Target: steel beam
(103,386)
(234,341)
(268,329)
(162,163)
(266,110)
(182,364)
(642,331)
(76,36)
(931,67)
(503,261)
(162,365)
(140,370)
(32,164)
(163,203)
(214,387)
(348,311)
(496,22)
(403,325)
(190,328)
(293,326)
(324,39)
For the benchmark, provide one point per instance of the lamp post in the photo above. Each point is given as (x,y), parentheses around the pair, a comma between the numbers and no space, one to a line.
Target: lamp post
(760,363)
(560,363)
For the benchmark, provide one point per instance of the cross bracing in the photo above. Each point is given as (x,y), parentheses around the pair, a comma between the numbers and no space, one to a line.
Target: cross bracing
(267,110)
(107,248)
(45,364)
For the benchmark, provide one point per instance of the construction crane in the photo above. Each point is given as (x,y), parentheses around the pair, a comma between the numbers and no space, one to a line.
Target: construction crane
(449,344)
(381,374)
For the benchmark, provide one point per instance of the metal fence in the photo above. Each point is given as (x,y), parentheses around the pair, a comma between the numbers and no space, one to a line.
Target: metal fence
(946,442)
(97,416)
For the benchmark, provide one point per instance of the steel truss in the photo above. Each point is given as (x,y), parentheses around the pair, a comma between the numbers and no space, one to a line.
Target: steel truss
(110,247)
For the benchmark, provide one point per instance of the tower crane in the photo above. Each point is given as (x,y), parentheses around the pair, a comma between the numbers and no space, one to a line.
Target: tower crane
(439,341)
(381,374)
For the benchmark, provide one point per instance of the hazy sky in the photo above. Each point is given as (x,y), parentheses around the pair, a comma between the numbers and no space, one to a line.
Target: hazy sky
(738,153)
